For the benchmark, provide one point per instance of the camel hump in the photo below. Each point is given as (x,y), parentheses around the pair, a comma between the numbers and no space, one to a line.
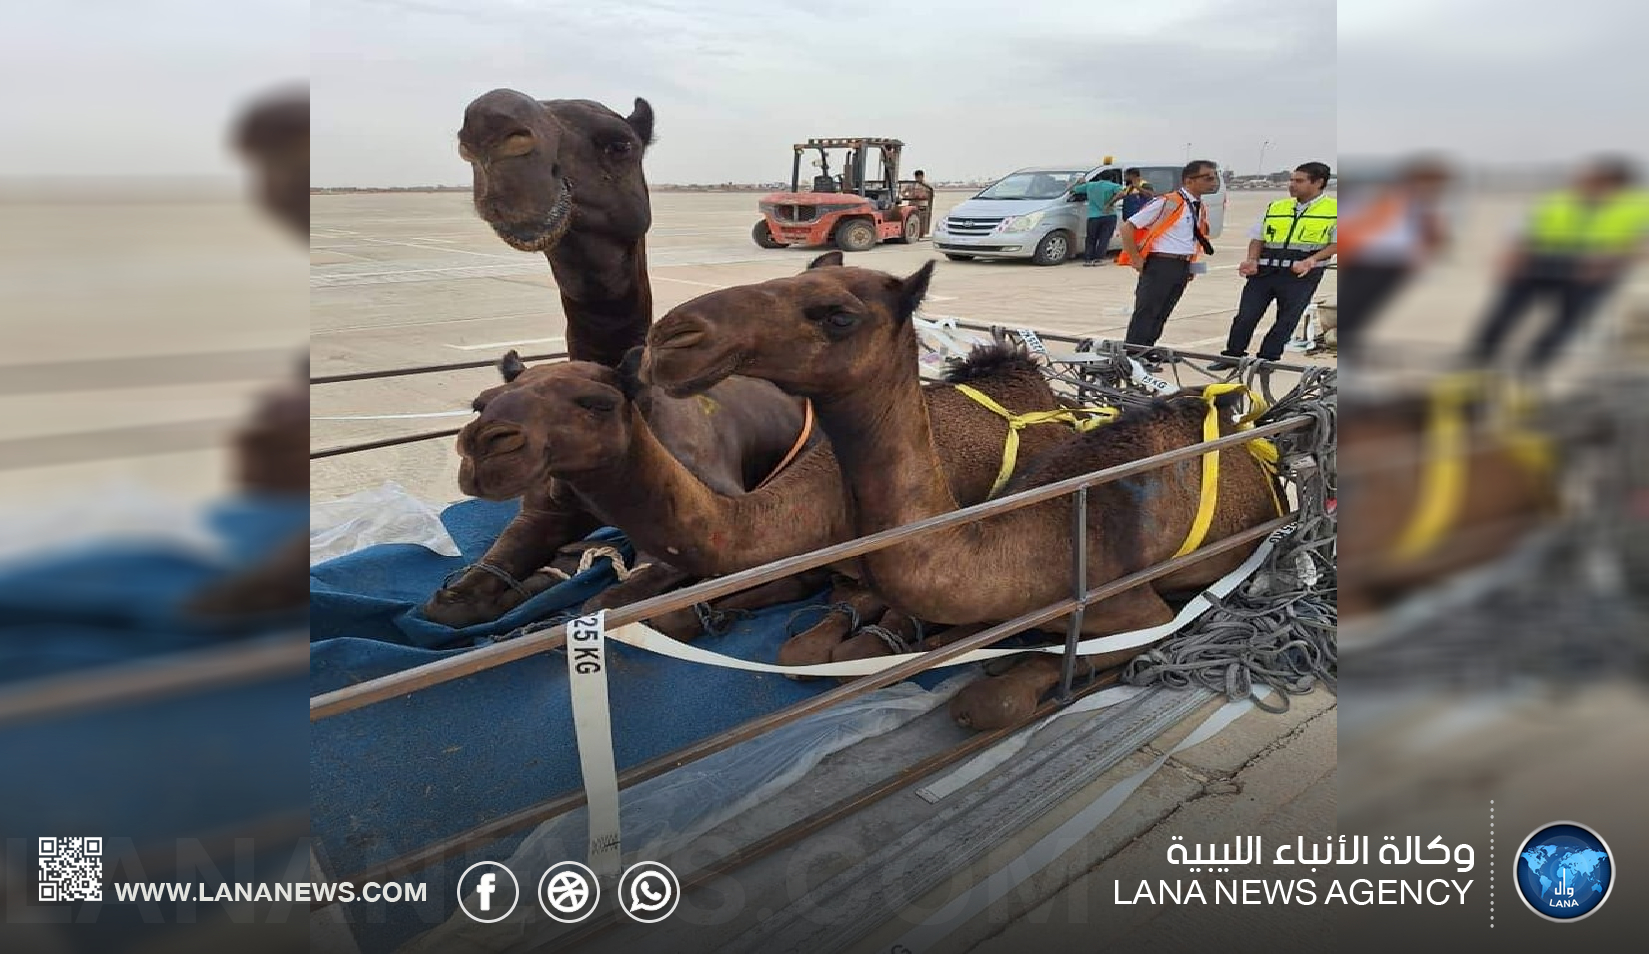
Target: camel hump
(990,361)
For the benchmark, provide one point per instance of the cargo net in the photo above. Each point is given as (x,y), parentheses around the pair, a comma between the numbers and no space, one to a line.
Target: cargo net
(1278,628)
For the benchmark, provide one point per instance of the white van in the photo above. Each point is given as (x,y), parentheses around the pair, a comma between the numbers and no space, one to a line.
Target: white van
(1029,213)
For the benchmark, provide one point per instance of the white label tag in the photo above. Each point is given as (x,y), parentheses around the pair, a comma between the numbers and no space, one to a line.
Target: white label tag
(1142,376)
(1032,341)
(592,723)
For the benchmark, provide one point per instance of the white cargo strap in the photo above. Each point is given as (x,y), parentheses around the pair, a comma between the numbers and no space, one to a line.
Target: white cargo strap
(592,723)
(1046,851)
(645,637)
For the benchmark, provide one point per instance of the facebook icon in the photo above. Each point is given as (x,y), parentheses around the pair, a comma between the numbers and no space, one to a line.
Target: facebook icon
(482,888)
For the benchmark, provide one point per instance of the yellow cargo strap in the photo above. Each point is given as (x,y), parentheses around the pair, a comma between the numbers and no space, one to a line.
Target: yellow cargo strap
(1262,451)
(1079,418)
(1443,484)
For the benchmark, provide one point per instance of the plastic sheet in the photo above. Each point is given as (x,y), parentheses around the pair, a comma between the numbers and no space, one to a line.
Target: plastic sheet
(384,514)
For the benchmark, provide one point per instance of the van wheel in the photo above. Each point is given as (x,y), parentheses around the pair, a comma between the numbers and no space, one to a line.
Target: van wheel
(958,258)
(856,235)
(1054,248)
(764,236)
(913,229)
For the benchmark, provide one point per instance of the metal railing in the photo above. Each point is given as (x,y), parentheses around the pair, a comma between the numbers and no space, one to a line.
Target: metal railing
(338,702)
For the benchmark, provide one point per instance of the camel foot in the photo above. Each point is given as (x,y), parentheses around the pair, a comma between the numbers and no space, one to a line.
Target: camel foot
(997,702)
(479,597)
(851,603)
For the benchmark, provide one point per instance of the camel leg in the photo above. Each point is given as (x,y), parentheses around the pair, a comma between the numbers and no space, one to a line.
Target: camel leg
(686,624)
(547,521)
(814,645)
(1009,699)
(868,645)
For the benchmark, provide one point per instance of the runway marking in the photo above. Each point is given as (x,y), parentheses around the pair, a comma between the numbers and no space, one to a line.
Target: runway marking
(506,344)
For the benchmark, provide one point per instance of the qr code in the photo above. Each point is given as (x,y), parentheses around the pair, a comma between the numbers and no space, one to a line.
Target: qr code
(71,869)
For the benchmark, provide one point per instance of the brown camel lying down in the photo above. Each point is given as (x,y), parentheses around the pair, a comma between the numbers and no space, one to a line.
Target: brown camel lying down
(1384,454)
(843,337)
(616,461)
(538,425)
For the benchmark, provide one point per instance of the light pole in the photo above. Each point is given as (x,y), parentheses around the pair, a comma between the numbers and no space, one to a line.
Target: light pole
(1261,169)
(1187,152)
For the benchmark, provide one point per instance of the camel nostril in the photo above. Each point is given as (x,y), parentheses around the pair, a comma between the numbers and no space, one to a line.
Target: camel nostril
(555,169)
(682,335)
(501,442)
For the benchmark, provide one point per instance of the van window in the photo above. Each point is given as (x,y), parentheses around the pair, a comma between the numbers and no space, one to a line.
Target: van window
(1166,179)
(1032,185)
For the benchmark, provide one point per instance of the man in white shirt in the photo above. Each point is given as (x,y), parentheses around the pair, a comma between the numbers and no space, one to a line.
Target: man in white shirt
(1389,234)
(1163,242)
(1287,251)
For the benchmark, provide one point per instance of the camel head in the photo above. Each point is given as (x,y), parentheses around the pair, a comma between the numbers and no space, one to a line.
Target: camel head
(829,330)
(273,136)
(549,420)
(543,168)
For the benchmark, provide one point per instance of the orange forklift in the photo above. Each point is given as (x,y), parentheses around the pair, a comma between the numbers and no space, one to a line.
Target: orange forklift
(854,209)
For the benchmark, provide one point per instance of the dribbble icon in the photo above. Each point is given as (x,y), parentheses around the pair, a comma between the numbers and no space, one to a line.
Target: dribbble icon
(648,892)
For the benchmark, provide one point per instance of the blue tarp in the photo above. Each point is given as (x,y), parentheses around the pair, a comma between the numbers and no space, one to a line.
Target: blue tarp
(144,774)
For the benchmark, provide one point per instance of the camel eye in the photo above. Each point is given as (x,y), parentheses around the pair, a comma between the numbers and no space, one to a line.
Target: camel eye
(597,403)
(842,319)
(619,148)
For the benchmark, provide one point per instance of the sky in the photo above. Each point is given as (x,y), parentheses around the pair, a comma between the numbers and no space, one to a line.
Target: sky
(139,87)
(1493,81)
(975,88)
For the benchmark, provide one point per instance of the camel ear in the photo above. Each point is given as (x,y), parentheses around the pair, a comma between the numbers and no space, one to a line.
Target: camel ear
(511,366)
(641,120)
(629,373)
(913,289)
(829,259)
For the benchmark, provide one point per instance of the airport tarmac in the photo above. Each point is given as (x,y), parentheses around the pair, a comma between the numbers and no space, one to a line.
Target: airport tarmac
(405,279)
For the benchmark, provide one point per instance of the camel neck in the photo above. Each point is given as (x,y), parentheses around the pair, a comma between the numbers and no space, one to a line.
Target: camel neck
(883,439)
(606,296)
(669,512)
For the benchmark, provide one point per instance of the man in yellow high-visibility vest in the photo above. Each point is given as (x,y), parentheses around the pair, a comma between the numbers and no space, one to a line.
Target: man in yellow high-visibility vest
(1576,248)
(1287,252)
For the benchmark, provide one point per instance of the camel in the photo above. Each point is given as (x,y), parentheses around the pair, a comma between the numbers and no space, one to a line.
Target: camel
(562,177)
(646,463)
(843,338)
(542,428)
(1383,455)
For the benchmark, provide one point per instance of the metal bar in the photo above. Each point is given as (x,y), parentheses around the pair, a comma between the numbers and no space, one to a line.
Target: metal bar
(140,441)
(386,442)
(423,369)
(145,371)
(207,670)
(444,670)
(532,815)
(1079,589)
